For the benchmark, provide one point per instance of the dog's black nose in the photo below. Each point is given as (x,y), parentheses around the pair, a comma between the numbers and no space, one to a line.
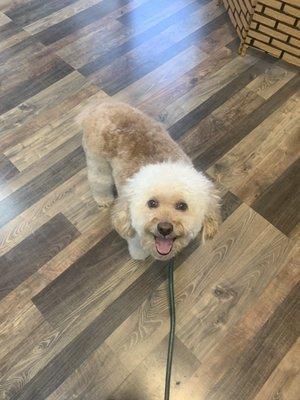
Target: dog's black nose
(165,228)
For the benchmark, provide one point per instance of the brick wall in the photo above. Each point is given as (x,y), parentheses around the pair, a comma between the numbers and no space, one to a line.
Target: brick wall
(269,25)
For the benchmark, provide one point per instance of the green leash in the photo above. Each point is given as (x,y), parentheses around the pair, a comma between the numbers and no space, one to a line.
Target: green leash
(172,328)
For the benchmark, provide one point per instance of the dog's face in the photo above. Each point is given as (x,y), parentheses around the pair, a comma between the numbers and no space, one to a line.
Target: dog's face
(166,222)
(168,205)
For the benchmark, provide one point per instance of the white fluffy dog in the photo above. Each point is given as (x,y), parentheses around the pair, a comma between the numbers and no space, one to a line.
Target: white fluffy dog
(163,202)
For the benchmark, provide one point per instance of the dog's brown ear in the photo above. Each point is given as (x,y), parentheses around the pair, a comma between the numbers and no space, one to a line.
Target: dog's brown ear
(121,218)
(212,218)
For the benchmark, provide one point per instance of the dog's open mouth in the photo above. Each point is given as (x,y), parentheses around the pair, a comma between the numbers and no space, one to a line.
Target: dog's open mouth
(163,245)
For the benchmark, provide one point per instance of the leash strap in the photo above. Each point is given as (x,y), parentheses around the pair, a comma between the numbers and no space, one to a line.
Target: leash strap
(172,328)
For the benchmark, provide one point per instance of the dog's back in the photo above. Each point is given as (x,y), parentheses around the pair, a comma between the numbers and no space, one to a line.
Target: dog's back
(114,129)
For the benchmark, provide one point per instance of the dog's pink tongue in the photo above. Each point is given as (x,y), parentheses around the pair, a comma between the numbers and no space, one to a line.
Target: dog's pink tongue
(163,246)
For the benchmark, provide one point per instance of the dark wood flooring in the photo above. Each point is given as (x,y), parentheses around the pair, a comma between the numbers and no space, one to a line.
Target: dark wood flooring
(78,318)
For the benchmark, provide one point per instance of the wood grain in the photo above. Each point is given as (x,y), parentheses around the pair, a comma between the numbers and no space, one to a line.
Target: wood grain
(83,18)
(85,275)
(140,380)
(235,75)
(284,380)
(7,169)
(34,190)
(278,204)
(267,348)
(23,91)
(34,10)
(95,334)
(63,198)
(251,154)
(80,319)
(162,27)
(248,124)
(24,260)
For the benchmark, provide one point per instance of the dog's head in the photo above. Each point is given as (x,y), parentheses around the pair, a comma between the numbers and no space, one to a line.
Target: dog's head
(167,205)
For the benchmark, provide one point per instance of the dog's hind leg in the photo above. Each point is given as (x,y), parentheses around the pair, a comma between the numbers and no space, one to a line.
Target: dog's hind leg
(100,178)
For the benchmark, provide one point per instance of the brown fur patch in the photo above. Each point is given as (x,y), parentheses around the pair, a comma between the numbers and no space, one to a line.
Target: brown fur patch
(127,138)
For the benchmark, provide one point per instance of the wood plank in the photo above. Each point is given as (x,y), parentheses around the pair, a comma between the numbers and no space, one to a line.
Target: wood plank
(7,169)
(59,15)
(229,296)
(128,40)
(29,194)
(32,60)
(81,19)
(210,94)
(271,81)
(229,204)
(147,380)
(216,125)
(116,39)
(47,139)
(139,52)
(38,248)
(31,332)
(162,58)
(146,11)
(39,166)
(148,325)
(285,153)
(8,29)
(155,104)
(263,353)
(4,19)
(5,5)
(58,102)
(227,350)
(160,77)
(222,36)
(24,321)
(85,275)
(84,344)
(77,248)
(244,127)
(18,316)
(83,38)
(295,233)
(18,319)
(61,198)
(16,46)
(279,203)
(38,355)
(284,381)
(96,377)
(84,49)
(34,10)
(235,167)
(84,213)
(21,92)
(14,329)
(45,337)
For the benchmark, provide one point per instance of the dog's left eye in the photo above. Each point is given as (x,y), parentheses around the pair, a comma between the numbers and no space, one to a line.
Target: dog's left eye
(152,203)
(181,206)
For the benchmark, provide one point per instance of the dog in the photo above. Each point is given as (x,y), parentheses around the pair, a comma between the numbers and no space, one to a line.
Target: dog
(162,201)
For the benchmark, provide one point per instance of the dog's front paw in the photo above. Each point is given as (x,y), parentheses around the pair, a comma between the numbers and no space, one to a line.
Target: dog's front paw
(138,254)
(136,251)
(104,202)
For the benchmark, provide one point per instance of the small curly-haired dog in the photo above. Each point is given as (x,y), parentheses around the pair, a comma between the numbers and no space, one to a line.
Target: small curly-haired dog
(163,202)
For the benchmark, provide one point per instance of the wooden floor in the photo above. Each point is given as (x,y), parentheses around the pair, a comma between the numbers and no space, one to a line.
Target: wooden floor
(78,318)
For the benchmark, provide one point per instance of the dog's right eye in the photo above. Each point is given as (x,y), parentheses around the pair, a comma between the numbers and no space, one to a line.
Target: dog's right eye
(152,203)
